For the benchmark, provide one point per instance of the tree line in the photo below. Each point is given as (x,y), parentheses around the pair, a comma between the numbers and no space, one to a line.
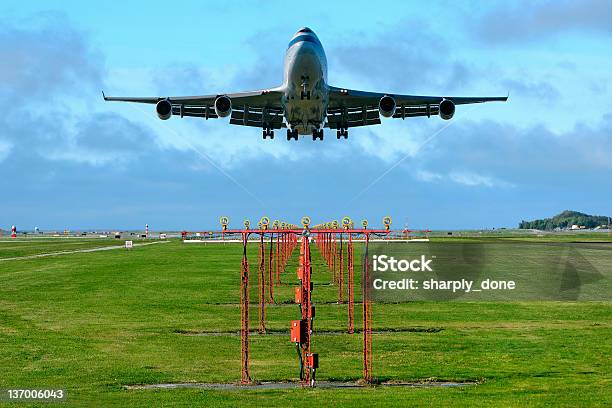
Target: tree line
(565,220)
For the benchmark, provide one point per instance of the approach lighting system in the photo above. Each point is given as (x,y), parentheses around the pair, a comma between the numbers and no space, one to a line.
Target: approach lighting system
(224,221)
(387,222)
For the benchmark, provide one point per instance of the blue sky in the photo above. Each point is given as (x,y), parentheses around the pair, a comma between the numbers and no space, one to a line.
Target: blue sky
(69,160)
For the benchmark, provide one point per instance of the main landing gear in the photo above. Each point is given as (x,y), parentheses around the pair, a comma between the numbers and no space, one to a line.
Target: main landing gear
(317,134)
(342,133)
(267,132)
(292,134)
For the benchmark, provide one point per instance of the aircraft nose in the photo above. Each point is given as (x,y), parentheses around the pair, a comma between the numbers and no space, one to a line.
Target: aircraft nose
(304,30)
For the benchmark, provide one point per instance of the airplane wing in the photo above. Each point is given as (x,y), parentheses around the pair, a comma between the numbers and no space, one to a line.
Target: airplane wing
(255,108)
(351,108)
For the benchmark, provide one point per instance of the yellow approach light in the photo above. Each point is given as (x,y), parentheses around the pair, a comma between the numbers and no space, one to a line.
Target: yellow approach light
(387,222)
(224,221)
(346,222)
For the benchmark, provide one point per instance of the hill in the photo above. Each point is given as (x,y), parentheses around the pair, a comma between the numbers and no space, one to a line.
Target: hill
(565,220)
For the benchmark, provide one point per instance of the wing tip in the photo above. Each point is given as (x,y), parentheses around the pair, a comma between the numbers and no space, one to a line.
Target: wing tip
(104,96)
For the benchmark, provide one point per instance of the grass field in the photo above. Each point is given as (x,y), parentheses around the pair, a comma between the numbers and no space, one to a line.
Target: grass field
(94,322)
(10,248)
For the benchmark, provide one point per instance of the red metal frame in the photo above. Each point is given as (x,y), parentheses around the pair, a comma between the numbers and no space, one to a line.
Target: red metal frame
(334,254)
(262,285)
(245,378)
(351,284)
(307,308)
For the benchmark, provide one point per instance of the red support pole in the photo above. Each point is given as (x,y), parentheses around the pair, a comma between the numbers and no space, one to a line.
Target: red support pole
(245,378)
(351,284)
(338,256)
(271,272)
(329,251)
(367,317)
(277,258)
(262,286)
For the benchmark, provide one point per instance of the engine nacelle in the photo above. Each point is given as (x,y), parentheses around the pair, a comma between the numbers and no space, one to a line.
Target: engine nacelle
(447,109)
(386,106)
(164,109)
(223,106)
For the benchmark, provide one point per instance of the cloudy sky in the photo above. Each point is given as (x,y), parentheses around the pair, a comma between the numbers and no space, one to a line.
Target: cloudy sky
(69,160)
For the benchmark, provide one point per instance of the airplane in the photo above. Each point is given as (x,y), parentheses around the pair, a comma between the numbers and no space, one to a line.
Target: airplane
(305,104)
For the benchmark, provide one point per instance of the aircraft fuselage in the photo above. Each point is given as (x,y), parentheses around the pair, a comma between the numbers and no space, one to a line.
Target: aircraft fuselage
(306,92)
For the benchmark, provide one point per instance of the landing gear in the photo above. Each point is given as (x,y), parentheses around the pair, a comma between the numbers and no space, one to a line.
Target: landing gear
(317,134)
(267,132)
(342,133)
(292,134)
(305,95)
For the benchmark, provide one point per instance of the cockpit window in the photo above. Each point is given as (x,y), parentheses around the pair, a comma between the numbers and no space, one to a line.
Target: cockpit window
(304,37)
(305,30)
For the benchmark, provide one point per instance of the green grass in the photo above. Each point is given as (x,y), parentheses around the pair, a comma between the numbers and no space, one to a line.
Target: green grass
(10,248)
(94,322)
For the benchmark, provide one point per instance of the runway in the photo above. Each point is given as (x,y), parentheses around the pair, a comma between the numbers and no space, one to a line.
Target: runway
(76,251)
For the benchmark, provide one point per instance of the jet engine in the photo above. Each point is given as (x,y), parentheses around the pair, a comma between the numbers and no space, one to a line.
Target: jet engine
(447,109)
(223,106)
(164,109)
(386,106)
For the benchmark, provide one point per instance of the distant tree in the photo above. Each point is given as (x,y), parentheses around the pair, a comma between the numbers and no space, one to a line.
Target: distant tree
(565,220)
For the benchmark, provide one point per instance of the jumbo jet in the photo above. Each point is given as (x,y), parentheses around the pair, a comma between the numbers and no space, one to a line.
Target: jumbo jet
(305,104)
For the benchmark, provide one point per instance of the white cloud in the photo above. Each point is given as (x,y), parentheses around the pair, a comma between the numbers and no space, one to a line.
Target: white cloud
(471,179)
(87,156)
(392,140)
(428,176)
(466,178)
(5,149)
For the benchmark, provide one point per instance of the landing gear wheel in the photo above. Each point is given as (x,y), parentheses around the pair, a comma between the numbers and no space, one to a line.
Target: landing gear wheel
(268,133)
(342,133)
(317,134)
(305,95)
(292,134)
